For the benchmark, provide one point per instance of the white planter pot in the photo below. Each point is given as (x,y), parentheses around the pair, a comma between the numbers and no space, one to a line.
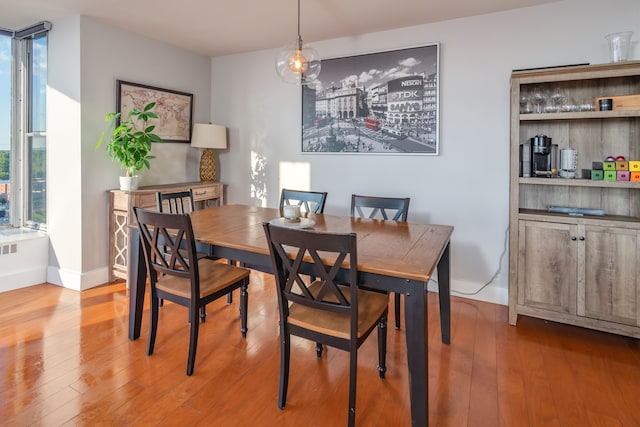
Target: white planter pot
(129,183)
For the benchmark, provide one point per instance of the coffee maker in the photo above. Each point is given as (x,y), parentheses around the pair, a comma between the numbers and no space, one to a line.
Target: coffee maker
(541,156)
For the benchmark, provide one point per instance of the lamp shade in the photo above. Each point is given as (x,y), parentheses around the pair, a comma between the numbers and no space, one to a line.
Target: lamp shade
(209,136)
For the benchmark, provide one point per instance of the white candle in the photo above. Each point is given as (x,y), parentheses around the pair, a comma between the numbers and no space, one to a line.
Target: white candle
(291,212)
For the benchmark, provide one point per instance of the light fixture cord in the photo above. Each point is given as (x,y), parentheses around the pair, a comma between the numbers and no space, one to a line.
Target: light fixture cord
(299,39)
(299,20)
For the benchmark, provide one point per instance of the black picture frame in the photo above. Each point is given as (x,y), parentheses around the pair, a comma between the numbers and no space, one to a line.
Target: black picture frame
(174,108)
(375,103)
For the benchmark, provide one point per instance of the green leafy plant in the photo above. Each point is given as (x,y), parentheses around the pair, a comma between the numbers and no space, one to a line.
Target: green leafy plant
(129,146)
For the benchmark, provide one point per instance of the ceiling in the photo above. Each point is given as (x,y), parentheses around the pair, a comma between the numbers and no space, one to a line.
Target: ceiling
(222,27)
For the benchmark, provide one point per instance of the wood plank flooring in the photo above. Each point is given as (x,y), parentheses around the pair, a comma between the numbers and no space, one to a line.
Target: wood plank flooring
(66,361)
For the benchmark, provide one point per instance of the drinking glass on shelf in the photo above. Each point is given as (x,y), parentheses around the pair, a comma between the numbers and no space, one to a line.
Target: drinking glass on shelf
(586,105)
(569,106)
(539,98)
(525,104)
(558,99)
(550,106)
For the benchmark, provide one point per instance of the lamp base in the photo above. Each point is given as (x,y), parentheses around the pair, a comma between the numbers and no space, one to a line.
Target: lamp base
(207,166)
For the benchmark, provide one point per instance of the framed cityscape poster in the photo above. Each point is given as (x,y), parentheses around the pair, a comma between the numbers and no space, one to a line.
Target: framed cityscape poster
(375,103)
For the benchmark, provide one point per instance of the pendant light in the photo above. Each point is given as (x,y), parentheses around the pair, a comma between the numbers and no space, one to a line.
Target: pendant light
(298,63)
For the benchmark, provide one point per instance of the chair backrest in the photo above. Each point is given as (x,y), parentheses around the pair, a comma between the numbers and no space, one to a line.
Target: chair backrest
(309,201)
(180,202)
(369,207)
(160,230)
(295,252)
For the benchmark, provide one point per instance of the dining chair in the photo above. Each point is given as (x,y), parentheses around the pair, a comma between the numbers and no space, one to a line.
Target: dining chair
(179,202)
(183,202)
(332,310)
(185,280)
(396,208)
(175,202)
(309,201)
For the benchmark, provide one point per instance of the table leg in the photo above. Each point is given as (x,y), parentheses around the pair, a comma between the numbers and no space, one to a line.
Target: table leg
(415,310)
(444,294)
(136,279)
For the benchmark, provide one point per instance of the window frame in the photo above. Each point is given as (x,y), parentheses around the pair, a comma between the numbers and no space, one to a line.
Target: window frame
(24,74)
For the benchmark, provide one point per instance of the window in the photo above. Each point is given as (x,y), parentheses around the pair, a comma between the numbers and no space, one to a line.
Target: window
(5,126)
(23,86)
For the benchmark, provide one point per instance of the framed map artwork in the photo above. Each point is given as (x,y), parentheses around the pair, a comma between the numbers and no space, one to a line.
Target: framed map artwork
(174,109)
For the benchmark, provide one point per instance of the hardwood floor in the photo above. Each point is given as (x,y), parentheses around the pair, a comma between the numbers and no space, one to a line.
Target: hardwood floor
(66,360)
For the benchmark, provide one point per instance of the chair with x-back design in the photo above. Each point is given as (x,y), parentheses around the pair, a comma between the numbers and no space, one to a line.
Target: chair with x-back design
(309,201)
(394,208)
(332,310)
(184,279)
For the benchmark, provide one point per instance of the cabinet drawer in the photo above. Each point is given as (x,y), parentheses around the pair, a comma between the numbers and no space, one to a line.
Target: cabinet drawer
(206,193)
(120,200)
(146,201)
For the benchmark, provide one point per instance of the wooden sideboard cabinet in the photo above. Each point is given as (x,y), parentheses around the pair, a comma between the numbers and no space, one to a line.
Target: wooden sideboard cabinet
(580,270)
(205,194)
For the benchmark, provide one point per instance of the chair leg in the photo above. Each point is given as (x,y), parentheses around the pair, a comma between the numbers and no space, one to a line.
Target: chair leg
(153,326)
(244,300)
(319,350)
(396,296)
(285,351)
(382,347)
(193,341)
(230,294)
(203,314)
(353,369)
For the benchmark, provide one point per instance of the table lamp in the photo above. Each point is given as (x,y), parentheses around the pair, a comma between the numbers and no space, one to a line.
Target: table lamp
(208,136)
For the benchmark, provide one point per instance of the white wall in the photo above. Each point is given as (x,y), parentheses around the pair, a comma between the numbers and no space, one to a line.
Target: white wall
(85,60)
(64,174)
(468,184)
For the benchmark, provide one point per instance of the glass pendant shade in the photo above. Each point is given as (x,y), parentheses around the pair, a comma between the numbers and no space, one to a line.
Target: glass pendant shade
(300,66)
(298,63)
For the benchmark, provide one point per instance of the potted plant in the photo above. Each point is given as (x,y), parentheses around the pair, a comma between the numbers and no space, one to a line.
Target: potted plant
(130,146)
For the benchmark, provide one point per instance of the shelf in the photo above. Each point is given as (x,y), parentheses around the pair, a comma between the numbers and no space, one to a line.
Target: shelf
(543,215)
(583,115)
(581,270)
(566,182)
(589,72)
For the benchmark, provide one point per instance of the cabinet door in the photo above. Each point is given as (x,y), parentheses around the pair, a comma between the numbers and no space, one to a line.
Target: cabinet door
(547,266)
(611,275)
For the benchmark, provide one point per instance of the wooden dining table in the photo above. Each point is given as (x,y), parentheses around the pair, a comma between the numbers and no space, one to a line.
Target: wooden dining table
(392,256)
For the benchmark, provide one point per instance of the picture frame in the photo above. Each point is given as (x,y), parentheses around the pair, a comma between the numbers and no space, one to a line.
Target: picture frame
(375,103)
(174,109)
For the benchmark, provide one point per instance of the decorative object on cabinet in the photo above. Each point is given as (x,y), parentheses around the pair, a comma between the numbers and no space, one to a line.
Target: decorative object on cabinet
(579,268)
(401,119)
(121,215)
(175,109)
(297,62)
(623,102)
(619,44)
(129,145)
(208,136)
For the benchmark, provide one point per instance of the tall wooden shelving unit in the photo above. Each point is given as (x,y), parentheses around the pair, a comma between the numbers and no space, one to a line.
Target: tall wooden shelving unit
(580,270)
